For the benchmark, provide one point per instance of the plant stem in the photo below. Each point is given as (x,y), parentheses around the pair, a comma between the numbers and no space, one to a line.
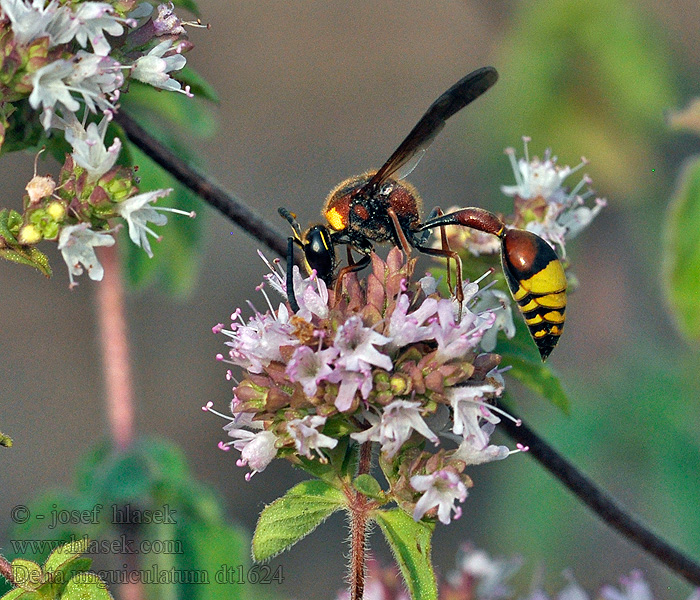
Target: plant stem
(6,570)
(358,529)
(115,350)
(601,503)
(230,206)
(570,476)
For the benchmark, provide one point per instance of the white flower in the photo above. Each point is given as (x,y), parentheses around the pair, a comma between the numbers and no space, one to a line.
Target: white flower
(405,328)
(91,76)
(308,367)
(441,488)
(255,344)
(93,18)
(89,149)
(153,68)
(356,345)
(499,304)
(307,436)
(395,426)
(167,22)
(137,212)
(77,245)
(469,409)
(33,20)
(543,204)
(257,449)
(472,454)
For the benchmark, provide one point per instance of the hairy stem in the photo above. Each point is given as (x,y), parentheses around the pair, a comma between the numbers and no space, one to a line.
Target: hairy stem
(602,504)
(569,475)
(6,570)
(358,529)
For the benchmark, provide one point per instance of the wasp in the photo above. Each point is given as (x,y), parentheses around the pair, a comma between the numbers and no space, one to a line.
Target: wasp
(379,207)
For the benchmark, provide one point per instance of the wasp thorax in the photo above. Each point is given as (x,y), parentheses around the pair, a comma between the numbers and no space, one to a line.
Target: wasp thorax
(337,207)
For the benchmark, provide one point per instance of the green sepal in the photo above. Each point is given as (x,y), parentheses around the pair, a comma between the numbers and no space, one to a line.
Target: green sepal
(88,587)
(369,486)
(26,574)
(293,516)
(681,252)
(410,542)
(539,378)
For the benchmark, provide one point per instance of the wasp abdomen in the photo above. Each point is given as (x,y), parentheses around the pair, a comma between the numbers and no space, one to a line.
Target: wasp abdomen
(537,281)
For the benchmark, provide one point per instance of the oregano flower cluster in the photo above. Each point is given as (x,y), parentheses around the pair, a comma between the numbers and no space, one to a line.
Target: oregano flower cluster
(63,67)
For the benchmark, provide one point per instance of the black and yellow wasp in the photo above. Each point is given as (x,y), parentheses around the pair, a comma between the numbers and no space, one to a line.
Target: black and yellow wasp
(378,206)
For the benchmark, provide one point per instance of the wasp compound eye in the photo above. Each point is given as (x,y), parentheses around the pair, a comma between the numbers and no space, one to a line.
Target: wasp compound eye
(537,281)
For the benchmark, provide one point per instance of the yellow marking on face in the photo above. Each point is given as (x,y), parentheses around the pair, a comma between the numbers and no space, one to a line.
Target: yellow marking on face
(335,219)
(549,280)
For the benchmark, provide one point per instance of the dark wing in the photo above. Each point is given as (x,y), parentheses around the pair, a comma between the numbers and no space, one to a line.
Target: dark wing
(410,151)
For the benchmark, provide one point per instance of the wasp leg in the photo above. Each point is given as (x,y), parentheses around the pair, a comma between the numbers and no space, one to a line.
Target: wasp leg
(448,254)
(291,298)
(351,268)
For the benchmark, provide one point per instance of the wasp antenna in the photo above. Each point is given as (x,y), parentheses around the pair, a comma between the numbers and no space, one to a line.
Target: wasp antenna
(292,220)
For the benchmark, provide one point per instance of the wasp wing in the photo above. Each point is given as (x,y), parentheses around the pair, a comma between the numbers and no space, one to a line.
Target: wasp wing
(411,150)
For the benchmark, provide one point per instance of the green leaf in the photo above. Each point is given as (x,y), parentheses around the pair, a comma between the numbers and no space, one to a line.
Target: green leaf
(87,587)
(218,550)
(5,440)
(187,116)
(66,553)
(29,256)
(20,594)
(293,516)
(410,543)
(190,5)
(26,574)
(369,486)
(681,252)
(198,85)
(539,378)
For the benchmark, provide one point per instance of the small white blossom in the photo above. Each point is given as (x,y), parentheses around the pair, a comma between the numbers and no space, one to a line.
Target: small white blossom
(36,19)
(307,436)
(396,424)
(167,22)
(93,19)
(470,410)
(308,367)
(547,208)
(77,245)
(153,68)
(440,489)
(137,212)
(89,151)
(91,76)
(257,449)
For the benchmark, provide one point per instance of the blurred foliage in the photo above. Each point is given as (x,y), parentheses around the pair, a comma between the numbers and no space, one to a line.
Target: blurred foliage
(584,79)
(682,252)
(146,494)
